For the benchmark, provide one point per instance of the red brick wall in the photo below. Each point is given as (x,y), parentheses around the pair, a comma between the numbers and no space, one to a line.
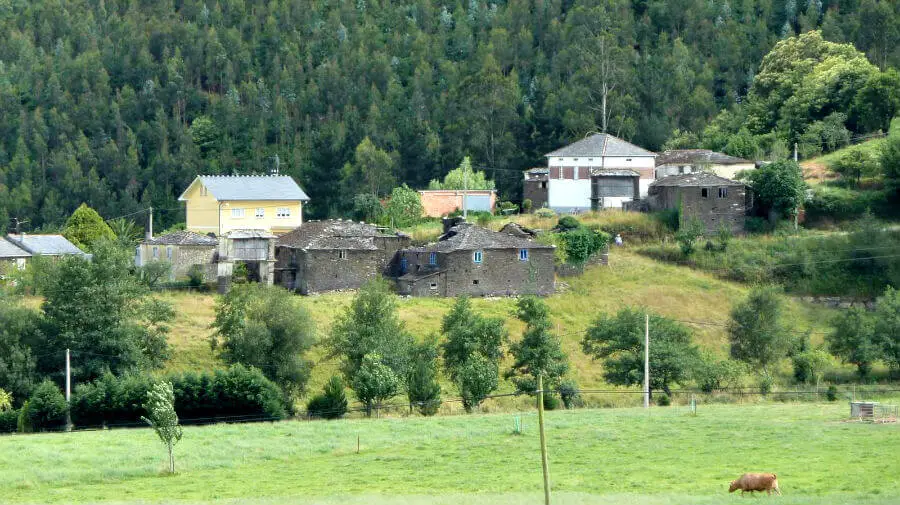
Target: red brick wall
(439,203)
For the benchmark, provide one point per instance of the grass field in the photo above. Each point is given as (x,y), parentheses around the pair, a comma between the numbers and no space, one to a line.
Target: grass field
(626,456)
(630,279)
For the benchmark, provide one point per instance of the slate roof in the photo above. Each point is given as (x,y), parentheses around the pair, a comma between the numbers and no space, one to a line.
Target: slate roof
(182,238)
(250,187)
(45,245)
(10,250)
(601,144)
(697,156)
(332,234)
(695,179)
(468,237)
(613,172)
(246,234)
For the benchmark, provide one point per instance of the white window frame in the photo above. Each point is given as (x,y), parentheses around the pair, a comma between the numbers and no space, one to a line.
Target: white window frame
(260,212)
(168,252)
(154,252)
(342,254)
(723,192)
(478,257)
(282,212)
(237,213)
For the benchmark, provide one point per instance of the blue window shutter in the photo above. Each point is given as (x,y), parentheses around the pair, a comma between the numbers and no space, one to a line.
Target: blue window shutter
(433,258)
(476,257)
(523,254)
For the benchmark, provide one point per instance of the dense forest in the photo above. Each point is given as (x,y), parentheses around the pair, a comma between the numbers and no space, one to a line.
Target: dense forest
(119,103)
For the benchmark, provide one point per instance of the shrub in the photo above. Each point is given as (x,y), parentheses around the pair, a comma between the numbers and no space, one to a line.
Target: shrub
(757,225)
(484,219)
(195,276)
(154,272)
(663,400)
(9,420)
(831,393)
(331,403)
(551,402)
(568,392)
(526,205)
(568,223)
(235,392)
(46,407)
(545,213)
(23,421)
(504,208)
(582,243)
(688,235)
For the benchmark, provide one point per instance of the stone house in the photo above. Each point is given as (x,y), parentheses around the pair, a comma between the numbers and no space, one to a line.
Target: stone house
(334,255)
(442,202)
(688,161)
(599,171)
(468,259)
(705,196)
(183,250)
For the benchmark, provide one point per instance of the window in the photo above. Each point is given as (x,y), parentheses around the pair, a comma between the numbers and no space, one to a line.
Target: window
(237,213)
(342,254)
(260,213)
(433,285)
(561,159)
(432,258)
(523,254)
(282,212)
(475,282)
(574,159)
(590,159)
(477,257)
(168,252)
(543,184)
(627,159)
(155,252)
(704,192)
(403,266)
(723,192)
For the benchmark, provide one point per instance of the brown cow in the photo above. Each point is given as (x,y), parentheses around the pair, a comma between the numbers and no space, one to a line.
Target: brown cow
(767,482)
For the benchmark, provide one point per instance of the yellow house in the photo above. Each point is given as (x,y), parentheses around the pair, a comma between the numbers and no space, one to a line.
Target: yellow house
(219,204)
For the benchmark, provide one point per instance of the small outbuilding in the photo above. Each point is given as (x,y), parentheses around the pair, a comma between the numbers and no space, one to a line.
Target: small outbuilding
(184,250)
(714,200)
(689,161)
(443,202)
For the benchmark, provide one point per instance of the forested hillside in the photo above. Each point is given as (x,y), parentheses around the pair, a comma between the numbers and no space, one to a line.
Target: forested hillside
(119,103)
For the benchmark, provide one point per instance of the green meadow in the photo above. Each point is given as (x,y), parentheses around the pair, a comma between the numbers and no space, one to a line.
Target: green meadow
(630,456)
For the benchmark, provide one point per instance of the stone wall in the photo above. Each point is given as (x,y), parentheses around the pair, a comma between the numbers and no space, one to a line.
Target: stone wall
(711,210)
(536,191)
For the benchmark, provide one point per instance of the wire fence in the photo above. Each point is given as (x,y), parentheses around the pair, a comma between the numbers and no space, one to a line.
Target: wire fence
(524,403)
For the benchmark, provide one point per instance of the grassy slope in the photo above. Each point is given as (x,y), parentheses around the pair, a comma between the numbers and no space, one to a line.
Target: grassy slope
(596,456)
(629,280)
(870,146)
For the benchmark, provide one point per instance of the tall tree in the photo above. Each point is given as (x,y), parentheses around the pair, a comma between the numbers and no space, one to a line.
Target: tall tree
(538,353)
(756,330)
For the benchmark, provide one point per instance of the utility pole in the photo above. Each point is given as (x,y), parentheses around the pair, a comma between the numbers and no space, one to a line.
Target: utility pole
(544,464)
(646,361)
(19,223)
(150,224)
(465,194)
(795,152)
(68,392)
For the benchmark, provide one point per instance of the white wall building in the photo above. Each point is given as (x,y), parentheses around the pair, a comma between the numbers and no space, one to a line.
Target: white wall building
(610,162)
(689,161)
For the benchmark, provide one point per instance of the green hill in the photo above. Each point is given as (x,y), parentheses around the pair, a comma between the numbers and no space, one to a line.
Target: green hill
(630,279)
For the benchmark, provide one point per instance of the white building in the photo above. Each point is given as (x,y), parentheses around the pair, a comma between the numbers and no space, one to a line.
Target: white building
(689,161)
(599,171)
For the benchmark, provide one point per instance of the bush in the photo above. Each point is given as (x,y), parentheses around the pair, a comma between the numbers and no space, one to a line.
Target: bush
(331,403)
(484,219)
(9,420)
(688,235)
(669,218)
(842,204)
(23,421)
(551,402)
(506,208)
(545,213)
(663,400)
(568,223)
(526,205)
(46,407)
(196,276)
(568,392)
(831,393)
(757,225)
(235,392)
(154,272)
(582,243)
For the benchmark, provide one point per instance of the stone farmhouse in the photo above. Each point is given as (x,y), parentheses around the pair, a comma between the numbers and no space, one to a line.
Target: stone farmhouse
(597,172)
(334,255)
(688,161)
(468,259)
(705,196)
(183,250)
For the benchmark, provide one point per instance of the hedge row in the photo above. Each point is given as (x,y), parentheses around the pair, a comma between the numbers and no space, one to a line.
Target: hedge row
(237,393)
